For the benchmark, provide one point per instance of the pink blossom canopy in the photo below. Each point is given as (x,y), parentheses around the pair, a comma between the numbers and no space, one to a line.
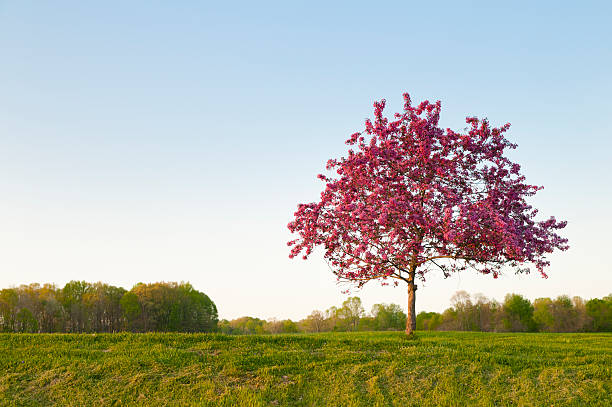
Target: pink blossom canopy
(412,196)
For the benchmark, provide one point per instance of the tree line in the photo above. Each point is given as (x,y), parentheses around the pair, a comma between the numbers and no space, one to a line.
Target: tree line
(467,313)
(517,314)
(350,316)
(80,306)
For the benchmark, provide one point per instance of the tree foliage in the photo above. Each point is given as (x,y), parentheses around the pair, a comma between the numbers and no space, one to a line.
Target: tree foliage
(411,197)
(413,194)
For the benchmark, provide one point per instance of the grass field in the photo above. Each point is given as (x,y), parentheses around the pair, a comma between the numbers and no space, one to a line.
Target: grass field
(343,369)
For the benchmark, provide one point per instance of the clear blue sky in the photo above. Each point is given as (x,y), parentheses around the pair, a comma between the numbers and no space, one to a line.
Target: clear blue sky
(161,141)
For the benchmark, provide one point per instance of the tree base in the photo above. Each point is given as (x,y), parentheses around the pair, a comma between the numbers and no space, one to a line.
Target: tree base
(411,336)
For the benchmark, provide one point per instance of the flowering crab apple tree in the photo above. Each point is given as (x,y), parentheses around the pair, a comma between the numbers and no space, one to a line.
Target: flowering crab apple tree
(411,198)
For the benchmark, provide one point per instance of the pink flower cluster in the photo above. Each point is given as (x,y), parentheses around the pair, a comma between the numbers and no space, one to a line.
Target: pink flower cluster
(412,197)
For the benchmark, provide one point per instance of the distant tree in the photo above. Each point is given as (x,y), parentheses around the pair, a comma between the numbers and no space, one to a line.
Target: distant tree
(273,326)
(486,313)
(367,323)
(248,325)
(449,320)
(51,313)
(564,314)
(332,319)
(196,311)
(465,312)
(224,327)
(103,305)
(542,315)
(71,298)
(351,311)
(289,327)
(169,307)
(428,321)
(29,305)
(414,197)
(561,314)
(131,310)
(517,314)
(243,326)
(388,317)
(600,311)
(25,321)
(582,322)
(315,322)
(114,312)
(8,309)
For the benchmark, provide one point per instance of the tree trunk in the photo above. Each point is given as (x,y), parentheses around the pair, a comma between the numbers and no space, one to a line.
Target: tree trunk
(411,314)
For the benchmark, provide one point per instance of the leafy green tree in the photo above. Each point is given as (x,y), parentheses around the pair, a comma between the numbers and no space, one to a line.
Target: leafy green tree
(289,327)
(600,311)
(428,321)
(542,314)
(250,325)
(131,310)
(26,322)
(71,298)
(224,327)
(367,323)
(198,313)
(388,317)
(169,307)
(243,326)
(518,314)
(8,309)
(351,311)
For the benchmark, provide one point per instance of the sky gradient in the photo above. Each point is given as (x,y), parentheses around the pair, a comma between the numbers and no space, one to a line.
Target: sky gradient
(152,141)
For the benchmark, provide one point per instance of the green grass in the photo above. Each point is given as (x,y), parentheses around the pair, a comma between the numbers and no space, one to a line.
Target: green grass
(333,369)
